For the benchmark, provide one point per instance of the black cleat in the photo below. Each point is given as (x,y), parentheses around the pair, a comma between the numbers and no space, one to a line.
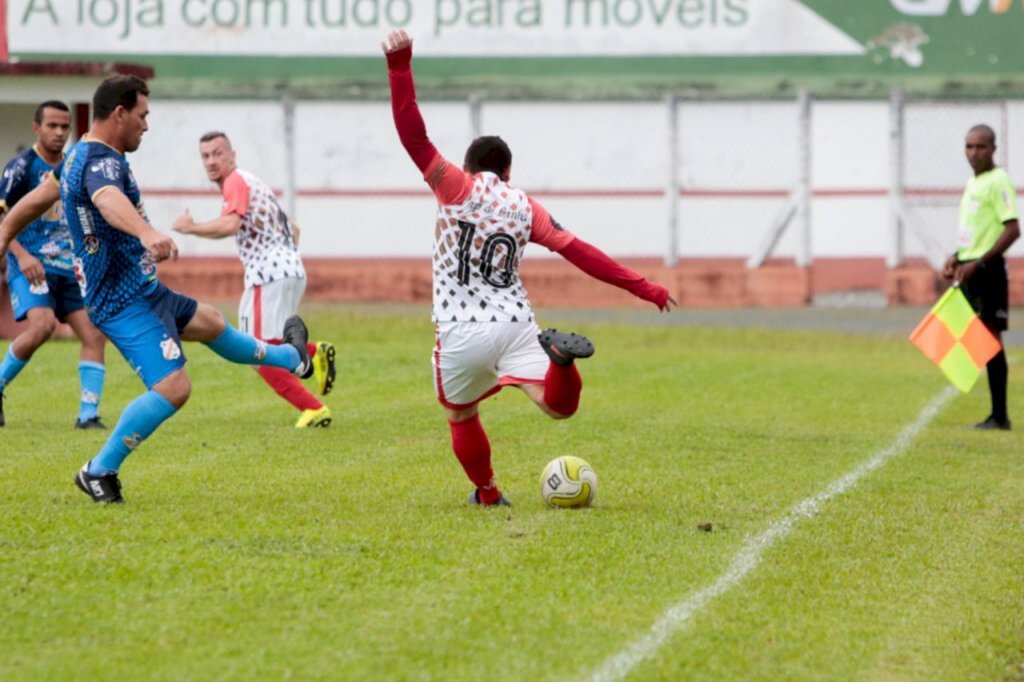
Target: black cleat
(296,334)
(993,424)
(2,421)
(91,423)
(563,348)
(99,488)
(502,501)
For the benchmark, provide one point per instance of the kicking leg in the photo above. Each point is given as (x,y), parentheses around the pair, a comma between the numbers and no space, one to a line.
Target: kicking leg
(209,327)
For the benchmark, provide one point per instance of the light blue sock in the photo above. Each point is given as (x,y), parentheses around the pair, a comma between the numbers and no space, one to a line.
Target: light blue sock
(91,375)
(10,367)
(237,347)
(139,420)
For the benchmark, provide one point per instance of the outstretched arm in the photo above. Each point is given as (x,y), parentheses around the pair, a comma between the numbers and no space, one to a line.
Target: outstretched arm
(593,261)
(218,228)
(600,265)
(412,131)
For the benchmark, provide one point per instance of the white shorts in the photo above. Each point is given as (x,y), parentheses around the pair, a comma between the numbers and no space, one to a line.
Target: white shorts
(264,308)
(473,360)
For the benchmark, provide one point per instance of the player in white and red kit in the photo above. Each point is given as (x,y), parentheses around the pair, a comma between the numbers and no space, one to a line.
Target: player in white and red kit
(486,337)
(274,276)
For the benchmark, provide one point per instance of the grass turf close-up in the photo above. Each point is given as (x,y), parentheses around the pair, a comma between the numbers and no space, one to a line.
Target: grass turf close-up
(248,549)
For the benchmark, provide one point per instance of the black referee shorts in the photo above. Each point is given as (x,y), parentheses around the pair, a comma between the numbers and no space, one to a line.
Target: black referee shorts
(988,292)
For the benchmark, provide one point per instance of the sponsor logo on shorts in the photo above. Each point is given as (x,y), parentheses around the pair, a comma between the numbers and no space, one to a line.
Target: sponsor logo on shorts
(39,289)
(170,349)
(92,245)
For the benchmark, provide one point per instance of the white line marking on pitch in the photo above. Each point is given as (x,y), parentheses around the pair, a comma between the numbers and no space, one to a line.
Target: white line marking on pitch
(620,665)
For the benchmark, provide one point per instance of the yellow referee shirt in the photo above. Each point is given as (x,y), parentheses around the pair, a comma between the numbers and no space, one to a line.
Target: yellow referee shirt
(988,201)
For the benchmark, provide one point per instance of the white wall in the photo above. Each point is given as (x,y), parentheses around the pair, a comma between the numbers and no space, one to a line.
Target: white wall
(599,167)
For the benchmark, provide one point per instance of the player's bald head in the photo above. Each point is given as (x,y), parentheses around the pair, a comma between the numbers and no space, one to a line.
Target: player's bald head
(985,131)
(215,135)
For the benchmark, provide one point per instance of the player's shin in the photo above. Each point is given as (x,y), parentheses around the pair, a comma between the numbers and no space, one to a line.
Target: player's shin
(139,420)
(92,376)
(562,386)
(473,450)
(10,367)
(243,349)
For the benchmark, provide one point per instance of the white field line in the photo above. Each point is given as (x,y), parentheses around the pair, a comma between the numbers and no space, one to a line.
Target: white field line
(675,618)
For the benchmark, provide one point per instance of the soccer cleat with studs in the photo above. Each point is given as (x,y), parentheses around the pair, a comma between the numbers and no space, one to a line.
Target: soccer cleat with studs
(564,347)
(296,335)
(323,367)
(2,420)
(105,488)
(91,423)
(314,418)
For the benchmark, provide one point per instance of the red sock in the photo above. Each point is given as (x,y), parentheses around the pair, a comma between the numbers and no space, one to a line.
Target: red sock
(562,386)
(469,441)
(288,386)
(311,348)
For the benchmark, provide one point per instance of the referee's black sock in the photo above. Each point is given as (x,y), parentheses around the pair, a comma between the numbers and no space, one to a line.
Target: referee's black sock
(997,375)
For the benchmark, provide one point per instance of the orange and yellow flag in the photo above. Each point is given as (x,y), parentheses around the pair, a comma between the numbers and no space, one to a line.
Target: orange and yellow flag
(953,337)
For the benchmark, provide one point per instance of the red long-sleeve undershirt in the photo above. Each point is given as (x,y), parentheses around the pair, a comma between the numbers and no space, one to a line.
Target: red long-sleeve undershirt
(412,131)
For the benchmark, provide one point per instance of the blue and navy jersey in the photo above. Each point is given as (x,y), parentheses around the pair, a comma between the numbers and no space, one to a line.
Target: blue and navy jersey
(112,267)
(46,238)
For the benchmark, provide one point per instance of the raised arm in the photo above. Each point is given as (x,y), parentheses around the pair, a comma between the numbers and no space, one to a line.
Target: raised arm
(412,131)
(29,207)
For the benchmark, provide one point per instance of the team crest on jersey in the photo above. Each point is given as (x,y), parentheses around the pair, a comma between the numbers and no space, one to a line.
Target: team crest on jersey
(170,349)
(92,245)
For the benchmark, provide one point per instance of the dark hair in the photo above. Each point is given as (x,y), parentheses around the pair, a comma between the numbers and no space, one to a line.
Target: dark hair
(987,130)
(49,104)
(488,153)
(116,91)
(213,135)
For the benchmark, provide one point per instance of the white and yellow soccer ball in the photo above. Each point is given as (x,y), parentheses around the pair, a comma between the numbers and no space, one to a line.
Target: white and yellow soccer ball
(568,481)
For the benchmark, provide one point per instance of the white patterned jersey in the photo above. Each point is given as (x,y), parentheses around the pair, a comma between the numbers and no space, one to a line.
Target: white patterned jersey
(264,238)
(483,226)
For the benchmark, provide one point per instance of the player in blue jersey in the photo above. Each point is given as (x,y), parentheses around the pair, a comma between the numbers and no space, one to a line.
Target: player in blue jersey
(115,258)
(40,277)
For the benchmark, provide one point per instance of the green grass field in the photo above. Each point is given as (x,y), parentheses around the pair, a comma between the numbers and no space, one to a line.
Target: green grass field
(249,550)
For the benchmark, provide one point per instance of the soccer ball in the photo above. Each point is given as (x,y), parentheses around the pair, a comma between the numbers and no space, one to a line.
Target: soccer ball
(568,482)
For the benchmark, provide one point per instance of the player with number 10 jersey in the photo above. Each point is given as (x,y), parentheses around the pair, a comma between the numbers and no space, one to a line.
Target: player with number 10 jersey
(486,337)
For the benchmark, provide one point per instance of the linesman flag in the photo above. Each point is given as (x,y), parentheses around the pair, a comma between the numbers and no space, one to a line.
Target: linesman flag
(953,337)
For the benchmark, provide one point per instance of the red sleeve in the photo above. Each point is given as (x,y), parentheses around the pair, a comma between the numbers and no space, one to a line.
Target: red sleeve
(600,265)
(412,131)
(449,183)
(546,231)
(236,195)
